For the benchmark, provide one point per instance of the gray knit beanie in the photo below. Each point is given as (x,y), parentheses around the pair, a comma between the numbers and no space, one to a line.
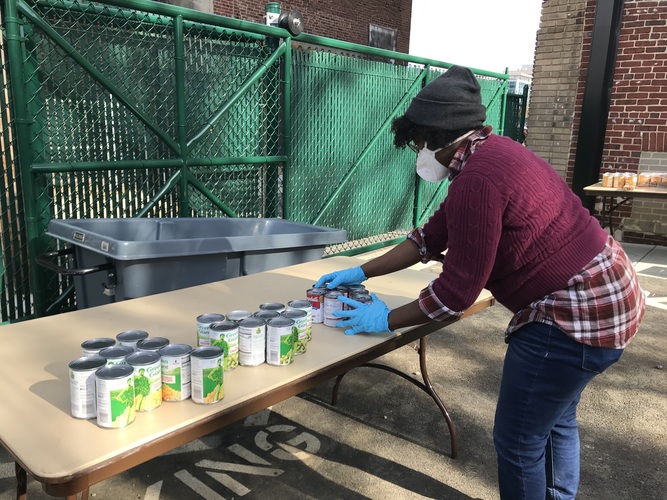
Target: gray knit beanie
(450,102)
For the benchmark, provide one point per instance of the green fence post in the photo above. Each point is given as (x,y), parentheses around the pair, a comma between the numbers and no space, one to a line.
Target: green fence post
(181,125)
(24,121)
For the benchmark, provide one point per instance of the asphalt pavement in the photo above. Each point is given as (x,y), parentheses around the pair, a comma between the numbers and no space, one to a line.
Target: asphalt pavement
(385,438)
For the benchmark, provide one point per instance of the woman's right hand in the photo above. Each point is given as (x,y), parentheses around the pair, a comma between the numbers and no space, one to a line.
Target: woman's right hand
(351,276)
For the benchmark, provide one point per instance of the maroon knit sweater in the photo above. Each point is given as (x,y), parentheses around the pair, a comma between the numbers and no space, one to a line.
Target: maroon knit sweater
(512,225)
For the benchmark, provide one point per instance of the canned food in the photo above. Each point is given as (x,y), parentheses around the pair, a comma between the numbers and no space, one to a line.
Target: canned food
(225,335)
(266,315)
(207,374)
(252,341)
(316,298)
(272,306)
(364,298)
(238,315)
(152,344)
(304,305)
(115,396)
(280,336)
(82,385)
(203,323)
(607,179)
(300,318)
(331,304)
(354,289)
(94,346)
(147,379)
(116,355)
(175,372)
(343,289)
(131,337)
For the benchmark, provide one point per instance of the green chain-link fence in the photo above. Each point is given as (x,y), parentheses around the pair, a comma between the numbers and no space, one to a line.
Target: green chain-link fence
(140,109)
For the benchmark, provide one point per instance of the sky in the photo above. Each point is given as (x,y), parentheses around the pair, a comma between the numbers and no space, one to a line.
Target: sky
(484,34)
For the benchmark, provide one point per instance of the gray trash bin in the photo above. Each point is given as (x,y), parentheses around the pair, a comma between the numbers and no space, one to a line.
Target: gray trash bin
(118,259)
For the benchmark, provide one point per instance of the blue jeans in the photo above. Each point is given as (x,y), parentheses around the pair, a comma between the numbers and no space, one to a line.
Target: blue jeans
(535,432)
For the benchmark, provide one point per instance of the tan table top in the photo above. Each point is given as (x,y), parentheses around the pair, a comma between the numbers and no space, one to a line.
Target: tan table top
(35,421)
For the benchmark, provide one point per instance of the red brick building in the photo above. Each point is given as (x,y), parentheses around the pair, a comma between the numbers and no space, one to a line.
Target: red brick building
(636,122)
(346,20)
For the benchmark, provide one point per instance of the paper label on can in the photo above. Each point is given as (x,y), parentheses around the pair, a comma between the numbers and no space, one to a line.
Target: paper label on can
(148,386)
(228,341)
(331,304)
(175,378)
(115,402)
(280,344)
(207,379)
(82,393)
(300,344)
(316,303)
(252,345)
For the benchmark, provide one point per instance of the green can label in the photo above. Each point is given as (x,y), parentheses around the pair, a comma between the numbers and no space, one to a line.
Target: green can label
(115,396)
(207,375)
(175,372)
(281,334)
(225,335)
(300,318)
(147,380)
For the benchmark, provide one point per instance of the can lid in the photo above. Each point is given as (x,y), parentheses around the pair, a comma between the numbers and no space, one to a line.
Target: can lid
(332,294)
(223,326)
(87,363)
(316,291)
(175,350)
(299,304)
(281,321)
(210,317)
(152,343)
(238,315)
(207,352)
(272,306)
(111,372)
(132,335)
(252,322)
(117,351)
(143,358)
(294,313)
(266,315)
(98,343)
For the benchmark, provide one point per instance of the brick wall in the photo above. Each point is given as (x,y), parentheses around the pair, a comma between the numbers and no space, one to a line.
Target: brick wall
(636,135)
(345,20)
(553,97)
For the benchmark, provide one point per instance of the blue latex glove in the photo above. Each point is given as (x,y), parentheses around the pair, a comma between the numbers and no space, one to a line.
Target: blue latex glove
(351,276)
(364,317)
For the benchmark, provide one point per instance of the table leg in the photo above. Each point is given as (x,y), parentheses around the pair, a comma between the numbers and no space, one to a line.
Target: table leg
(21,482)
(426,386)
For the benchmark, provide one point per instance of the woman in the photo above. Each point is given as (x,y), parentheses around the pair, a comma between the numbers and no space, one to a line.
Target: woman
(510,224)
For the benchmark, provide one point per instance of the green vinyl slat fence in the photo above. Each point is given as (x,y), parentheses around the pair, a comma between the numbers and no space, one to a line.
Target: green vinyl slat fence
(132,108)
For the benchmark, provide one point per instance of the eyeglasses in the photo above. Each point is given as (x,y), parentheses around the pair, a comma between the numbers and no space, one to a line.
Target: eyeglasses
(413,146)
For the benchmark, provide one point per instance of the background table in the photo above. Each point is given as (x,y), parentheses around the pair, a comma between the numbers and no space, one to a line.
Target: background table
(613,198)
(68,455)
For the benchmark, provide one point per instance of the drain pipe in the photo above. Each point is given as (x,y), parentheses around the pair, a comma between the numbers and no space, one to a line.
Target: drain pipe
(597,96)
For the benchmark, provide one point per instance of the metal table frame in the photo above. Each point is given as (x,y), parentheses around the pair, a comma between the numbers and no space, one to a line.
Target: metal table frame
(613,198)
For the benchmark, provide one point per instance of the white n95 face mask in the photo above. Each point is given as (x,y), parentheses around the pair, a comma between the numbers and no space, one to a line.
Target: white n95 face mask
(428,168)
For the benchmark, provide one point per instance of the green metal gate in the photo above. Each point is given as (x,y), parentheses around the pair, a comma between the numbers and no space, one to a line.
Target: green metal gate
(141,109)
